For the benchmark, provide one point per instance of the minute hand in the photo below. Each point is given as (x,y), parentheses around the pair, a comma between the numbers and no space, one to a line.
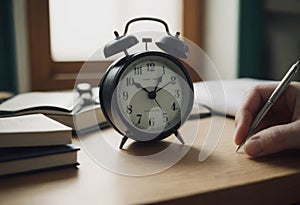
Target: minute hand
(164,85)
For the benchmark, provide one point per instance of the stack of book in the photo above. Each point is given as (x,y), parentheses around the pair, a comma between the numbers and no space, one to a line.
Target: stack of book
(34,142)
(36,130)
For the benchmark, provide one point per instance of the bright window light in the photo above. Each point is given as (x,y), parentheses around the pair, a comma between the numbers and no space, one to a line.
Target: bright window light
(79,27)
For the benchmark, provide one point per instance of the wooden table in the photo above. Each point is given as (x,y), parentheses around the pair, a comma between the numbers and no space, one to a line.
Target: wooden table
(225,177)
(4,96)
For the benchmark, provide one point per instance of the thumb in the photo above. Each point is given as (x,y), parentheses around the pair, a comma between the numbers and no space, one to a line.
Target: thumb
(274,139)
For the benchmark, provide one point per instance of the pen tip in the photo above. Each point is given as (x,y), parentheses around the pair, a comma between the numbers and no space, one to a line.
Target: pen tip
(237,149)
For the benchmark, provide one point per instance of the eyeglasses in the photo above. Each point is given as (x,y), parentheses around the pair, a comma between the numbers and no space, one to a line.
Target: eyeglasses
(88,95)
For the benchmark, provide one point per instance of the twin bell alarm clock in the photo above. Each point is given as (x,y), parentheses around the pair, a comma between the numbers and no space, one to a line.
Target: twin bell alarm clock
(147,95)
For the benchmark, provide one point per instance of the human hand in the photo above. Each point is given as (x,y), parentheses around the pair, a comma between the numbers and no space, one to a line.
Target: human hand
(280,128)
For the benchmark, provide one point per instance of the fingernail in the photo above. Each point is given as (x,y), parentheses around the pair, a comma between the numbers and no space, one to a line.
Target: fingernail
(254,147)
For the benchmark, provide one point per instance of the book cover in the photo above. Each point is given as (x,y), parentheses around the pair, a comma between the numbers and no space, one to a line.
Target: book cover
(27,159)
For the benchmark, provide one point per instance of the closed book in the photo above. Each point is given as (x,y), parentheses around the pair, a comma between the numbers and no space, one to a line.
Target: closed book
(63,106)
(33,130)
(32,159)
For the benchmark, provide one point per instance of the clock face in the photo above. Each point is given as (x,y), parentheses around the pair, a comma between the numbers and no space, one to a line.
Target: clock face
(154,94)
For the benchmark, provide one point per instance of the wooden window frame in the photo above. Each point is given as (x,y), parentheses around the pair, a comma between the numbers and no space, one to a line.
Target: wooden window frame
(47,74)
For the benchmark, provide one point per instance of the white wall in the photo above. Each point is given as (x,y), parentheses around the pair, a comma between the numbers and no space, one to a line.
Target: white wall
(221,35)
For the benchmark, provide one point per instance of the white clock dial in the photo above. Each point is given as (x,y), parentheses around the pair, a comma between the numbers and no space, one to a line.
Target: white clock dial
(153,94)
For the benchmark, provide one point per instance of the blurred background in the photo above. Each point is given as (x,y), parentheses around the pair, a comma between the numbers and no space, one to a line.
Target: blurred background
(43,43)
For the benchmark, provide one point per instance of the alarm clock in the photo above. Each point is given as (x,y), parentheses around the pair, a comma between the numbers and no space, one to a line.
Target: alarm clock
(148,95)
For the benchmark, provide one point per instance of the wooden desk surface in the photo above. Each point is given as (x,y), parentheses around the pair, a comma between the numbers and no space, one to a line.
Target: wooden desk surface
(225,177)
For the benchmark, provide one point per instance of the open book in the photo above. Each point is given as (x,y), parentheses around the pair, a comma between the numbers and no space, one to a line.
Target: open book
(232,92)
(63,107)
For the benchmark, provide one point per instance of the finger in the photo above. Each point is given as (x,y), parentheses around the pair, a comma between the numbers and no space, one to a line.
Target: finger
(257,96)
(274,139)
(242,122)
(253,100)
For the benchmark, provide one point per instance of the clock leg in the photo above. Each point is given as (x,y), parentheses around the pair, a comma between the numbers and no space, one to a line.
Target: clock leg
(179,137)
(123,141)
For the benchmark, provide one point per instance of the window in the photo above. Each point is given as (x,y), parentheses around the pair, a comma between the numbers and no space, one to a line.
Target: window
(54,67)
(75,36)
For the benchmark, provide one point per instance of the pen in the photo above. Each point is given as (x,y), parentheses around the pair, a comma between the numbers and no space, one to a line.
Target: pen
(272,99)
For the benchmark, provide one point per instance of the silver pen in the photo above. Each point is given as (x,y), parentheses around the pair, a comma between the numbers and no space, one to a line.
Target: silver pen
(272,99)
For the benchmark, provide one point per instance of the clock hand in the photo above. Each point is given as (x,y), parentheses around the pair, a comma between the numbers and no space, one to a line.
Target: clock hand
(158,81)
(138,85)
(152,95)
(164,85)
(157,103)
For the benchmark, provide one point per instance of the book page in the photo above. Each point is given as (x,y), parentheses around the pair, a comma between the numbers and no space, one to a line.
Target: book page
(30,123)
(234,91)
(31,100)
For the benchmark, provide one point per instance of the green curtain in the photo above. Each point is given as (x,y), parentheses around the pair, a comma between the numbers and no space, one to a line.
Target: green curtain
(8,71)
(250,61)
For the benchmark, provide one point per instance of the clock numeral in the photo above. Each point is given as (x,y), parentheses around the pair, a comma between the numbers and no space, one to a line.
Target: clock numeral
(139,116)
(173,80)
(129,81)
(174,107)
(177,93)
(164,71)
(151,121)
(138,71)
(125,95)
(129,109)
(150,66)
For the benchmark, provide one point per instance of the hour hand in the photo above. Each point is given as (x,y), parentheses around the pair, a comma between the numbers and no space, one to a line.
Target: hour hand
(138,85)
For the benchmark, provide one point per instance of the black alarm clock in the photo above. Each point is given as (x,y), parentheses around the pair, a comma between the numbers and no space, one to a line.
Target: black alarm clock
(147,96)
